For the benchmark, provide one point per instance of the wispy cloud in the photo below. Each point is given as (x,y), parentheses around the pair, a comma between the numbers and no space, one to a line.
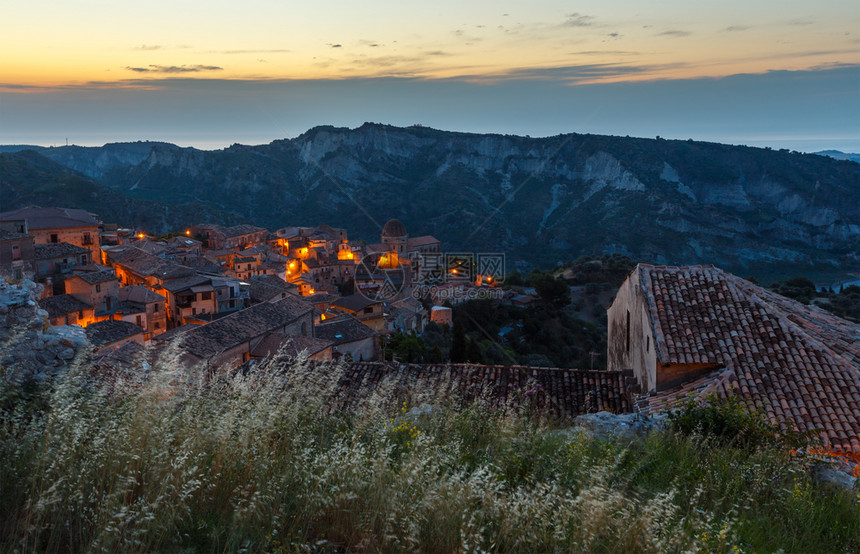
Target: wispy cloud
(578,20)
(802,21)
(734,28)
(148,47)
(605,53)
(269,51)
(174,68)
(674,33)
(572,74)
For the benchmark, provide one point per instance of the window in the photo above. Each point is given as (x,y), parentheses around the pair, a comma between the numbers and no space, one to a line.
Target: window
(16,252)
(54,237)
(206,296)
(193,311)
(304,329)
(155,309)
(138,321)
(98,288)
(80,315)
(368,310)
(648,343)
(627,332)
(156,325)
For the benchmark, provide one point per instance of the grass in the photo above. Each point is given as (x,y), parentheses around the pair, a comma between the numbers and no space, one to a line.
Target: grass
(267,464)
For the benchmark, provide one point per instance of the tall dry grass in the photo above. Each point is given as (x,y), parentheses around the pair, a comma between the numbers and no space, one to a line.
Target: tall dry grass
(269,462)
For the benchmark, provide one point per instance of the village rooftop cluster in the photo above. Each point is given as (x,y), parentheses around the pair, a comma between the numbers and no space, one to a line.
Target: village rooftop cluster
(234,293)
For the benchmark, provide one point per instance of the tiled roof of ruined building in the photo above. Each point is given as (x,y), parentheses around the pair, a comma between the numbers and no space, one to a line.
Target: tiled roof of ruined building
(799,364)
(209,340)
(6,234)
(559,392)
(62,304)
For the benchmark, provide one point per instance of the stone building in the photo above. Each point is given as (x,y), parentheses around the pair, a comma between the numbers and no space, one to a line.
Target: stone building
(702,331)
(55,225)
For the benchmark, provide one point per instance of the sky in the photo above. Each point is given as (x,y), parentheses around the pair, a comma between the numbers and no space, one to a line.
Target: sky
(208,74)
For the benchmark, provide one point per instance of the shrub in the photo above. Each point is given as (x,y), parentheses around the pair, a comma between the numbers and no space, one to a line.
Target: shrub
(731,422)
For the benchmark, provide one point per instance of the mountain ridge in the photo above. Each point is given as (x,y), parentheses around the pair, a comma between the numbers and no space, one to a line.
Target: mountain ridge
(539,200)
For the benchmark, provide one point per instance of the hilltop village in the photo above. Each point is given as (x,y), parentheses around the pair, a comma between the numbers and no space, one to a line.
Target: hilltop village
(225,297)
(235,293)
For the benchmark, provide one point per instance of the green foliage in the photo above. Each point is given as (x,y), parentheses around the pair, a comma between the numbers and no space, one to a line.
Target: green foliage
(798,288)
(541,334)
(552,290)
(731,422)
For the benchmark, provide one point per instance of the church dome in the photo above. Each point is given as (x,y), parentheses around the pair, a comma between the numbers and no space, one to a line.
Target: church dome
(394,229)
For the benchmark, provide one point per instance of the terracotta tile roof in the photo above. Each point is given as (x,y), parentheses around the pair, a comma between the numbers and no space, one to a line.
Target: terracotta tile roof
(62,304)
(204,265)
(208,340)
(51,218)
(239,230)
(95,277)
(110,330)
(559,392)
(139,295)
(185,283)
(343,329)
(290,346)
(799,364)
(417,242)
(54,250)
(266,287)
(147,265)
(354,302)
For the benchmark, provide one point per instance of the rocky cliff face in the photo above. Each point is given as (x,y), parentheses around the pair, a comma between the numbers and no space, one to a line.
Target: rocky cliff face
(538,200)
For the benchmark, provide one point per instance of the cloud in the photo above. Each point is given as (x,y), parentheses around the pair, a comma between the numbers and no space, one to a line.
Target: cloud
(571,74)
(802,21)
(174,68)
(732,28)
(605,53)
(271,51)
(148,47)
(674,33)
(578,20)
(334,45)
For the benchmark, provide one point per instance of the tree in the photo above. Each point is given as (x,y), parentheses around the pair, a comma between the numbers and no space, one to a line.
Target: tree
(553,291)
(458,344)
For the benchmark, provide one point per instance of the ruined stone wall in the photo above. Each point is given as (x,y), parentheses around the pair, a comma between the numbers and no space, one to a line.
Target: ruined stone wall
(31,349)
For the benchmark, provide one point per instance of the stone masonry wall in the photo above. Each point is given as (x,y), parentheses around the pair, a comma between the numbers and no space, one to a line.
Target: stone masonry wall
(30,348)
